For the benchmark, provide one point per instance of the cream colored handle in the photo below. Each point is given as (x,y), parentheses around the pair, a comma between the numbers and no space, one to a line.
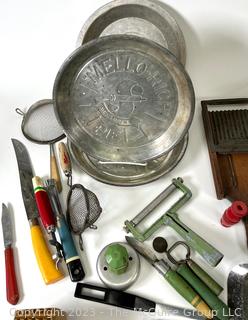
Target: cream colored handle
(64,159)
(54,170)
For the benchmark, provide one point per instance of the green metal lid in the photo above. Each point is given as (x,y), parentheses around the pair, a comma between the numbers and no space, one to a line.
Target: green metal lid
(116,257)
(118,265)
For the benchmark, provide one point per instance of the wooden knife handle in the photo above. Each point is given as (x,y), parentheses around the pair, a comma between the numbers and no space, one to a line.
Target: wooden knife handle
(205,277)
(11,282)
(54,170)
(46,264)
(64,159)
(188,293)
(204,291)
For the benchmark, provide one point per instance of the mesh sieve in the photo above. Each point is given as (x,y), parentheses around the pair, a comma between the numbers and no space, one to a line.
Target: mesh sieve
(83,209)
(40,124)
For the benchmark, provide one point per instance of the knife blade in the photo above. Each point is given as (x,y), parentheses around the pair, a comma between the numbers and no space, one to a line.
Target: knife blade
(12,292)
(143,250)
(44,259)
(174,279)
(7,227)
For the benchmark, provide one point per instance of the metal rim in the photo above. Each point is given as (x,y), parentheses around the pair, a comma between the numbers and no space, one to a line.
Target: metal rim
(148,10)
(38,104)
(121,282)
(166,142)
(83,162)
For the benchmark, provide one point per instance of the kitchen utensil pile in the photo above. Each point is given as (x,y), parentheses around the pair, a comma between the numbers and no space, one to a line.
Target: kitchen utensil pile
(125,104)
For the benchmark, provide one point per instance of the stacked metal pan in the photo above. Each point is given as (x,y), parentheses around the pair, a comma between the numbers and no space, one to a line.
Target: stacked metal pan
(123,97)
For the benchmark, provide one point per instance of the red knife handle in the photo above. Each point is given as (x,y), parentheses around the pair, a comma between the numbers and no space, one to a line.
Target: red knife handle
(11,282)
(43,204)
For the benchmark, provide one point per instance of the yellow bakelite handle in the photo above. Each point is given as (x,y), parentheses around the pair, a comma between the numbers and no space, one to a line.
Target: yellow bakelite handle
(46,264)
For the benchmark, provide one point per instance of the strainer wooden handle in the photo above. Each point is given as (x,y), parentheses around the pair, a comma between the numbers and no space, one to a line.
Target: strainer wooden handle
(64,159)
(54,170)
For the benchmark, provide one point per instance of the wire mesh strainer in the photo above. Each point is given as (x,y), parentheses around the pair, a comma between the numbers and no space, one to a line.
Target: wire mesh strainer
(83,207)
(40,125)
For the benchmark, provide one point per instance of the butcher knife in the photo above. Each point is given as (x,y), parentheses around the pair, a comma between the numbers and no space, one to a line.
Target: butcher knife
(44,259)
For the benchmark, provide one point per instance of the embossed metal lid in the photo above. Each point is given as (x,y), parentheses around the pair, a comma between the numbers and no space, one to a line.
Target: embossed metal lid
(123,98)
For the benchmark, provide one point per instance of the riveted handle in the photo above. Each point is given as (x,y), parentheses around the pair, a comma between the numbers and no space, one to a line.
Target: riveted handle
(11,282)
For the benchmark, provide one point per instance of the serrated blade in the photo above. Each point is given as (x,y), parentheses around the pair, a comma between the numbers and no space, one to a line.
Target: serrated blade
(142,249)
(7,227)
(26,175)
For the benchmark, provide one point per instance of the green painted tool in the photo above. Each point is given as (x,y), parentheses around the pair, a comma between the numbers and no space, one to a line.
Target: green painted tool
(170,218)
(173,278)
(160,245)
(220,308)
(205,277)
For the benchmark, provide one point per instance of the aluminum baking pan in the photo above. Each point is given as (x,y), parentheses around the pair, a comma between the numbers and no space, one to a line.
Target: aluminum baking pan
(144,18)
(128,174)
(124,99)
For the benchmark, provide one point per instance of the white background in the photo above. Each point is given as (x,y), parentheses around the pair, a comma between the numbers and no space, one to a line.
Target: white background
(36,37)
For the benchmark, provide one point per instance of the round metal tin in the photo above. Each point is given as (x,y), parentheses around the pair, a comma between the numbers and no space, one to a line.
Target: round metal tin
(144,18)
(121,281)
(124,99)
(128,174)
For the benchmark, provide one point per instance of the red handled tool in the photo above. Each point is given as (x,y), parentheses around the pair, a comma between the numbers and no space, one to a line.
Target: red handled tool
(12,291)
(46,213)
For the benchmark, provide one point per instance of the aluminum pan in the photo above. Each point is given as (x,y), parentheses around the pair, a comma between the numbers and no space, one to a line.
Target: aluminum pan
(144,18)
(129,175)
(123,98)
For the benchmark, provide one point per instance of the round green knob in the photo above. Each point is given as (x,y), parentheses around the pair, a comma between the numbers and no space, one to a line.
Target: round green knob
(116,257)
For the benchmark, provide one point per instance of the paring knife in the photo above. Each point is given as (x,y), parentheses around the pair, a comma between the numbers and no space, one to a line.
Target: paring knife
(175,280)
(12,291)
(132,302)
(44,259)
